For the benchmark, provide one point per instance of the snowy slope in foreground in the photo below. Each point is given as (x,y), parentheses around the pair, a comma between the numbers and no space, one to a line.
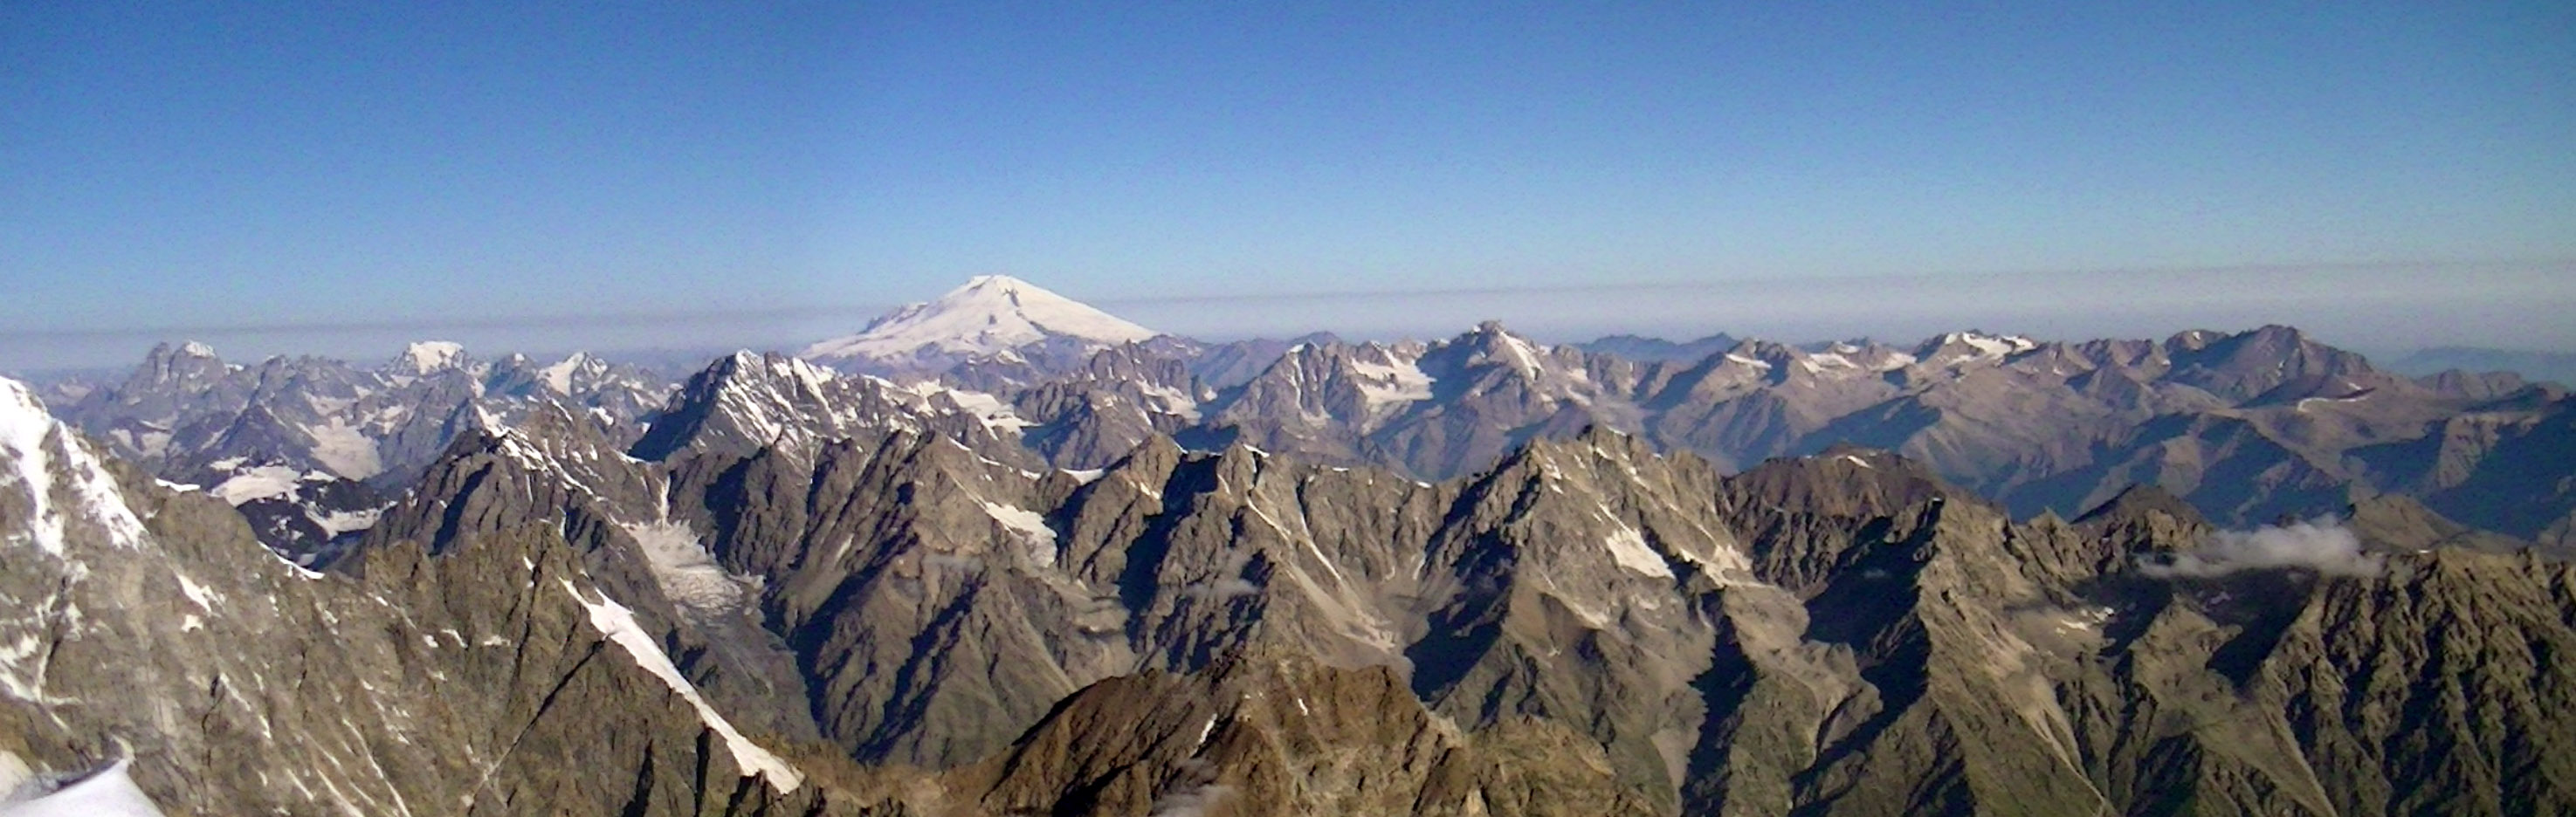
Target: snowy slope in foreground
(989,315)
(107,793)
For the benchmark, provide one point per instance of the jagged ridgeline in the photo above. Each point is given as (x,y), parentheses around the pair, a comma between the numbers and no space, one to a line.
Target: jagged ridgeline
(1034,571)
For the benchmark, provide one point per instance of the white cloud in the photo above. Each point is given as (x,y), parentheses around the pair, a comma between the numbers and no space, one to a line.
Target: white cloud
(1222,589)
(1191,803)
(2321,544)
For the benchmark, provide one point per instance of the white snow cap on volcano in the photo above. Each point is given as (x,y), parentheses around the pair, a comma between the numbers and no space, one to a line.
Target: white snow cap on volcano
(991,313)
(429,356)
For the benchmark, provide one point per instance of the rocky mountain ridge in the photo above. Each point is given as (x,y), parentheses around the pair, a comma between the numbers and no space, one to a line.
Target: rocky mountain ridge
(942,602)
(312,449)
(1978,574)
(147,624)
(1844,633)
(2249,426)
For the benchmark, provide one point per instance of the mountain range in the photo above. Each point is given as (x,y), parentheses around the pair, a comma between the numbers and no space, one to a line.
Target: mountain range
(996,555)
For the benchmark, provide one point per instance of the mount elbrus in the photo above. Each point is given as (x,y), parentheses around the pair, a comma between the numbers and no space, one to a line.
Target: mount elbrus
(1003,553)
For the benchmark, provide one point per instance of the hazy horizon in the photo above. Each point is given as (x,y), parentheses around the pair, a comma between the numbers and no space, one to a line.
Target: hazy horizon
(1793,311)
(335,180)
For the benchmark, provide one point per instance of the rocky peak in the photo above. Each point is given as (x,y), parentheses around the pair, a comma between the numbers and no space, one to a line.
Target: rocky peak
(741,403)
(2244,366)
(1658,350)
(164,633)
(2192,340)
(1228,365)
(1958,349)
(1273,733)
(1491,345)
(1122,395)
(2141,503)
(191,366)
(1844,481)
(746,402)
(61,491)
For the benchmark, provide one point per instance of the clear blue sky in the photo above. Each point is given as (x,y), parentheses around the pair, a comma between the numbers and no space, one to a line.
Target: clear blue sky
(333,178)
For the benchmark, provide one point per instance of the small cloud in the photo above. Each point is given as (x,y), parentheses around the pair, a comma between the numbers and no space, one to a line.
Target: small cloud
(1191,803)
(2322,544)
(1222,589)
(1228,583)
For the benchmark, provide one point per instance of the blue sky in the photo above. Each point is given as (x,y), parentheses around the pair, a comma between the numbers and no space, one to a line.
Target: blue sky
(334,178)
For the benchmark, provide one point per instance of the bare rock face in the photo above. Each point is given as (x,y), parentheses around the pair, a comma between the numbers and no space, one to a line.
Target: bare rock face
(1844,633)
(747,402)
(1117,399)
(148,624)
(1585,624)
(1267,733)
(313,448)
(2247,426)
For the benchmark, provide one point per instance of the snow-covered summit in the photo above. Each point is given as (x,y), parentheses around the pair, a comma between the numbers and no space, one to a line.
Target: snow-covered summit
(1958,348)
(990,315)
(425,357)
(559,377)
(64,484)
(105,792)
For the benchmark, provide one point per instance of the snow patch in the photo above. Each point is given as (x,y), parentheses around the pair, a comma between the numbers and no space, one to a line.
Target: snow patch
(109,792)
(996,415)
(1628,548)
(339,522)
(559,376)
(1205,730)
(1818,363)
(684,568)
(1174,401)
(205,597)
(301,572)
(264,482)
(1396,380)
(618,623)
(1981,347)
(1525,356)
(1030,526)
(345,450)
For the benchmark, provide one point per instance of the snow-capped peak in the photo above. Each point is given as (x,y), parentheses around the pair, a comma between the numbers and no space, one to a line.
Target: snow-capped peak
(196,349)
(806,375)
(428,356)
(1494,343)
(41,456)
(1972,346)
(990,315)
(559,376)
